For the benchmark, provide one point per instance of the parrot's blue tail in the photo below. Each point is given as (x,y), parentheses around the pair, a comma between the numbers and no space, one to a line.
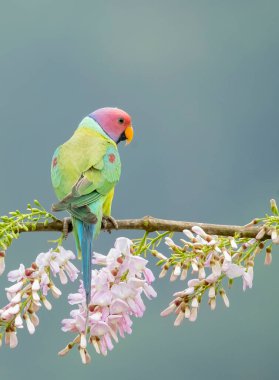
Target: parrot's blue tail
(86,234)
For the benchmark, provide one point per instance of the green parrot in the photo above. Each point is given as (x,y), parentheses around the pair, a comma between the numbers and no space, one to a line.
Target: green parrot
(84,172)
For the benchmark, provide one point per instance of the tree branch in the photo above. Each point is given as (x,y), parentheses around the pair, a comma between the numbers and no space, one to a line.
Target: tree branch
(150,224)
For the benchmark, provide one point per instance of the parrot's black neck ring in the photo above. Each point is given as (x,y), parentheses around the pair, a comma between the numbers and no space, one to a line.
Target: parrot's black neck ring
(122,137)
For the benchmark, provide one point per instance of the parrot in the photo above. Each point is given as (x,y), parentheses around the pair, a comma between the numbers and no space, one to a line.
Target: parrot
(84,172)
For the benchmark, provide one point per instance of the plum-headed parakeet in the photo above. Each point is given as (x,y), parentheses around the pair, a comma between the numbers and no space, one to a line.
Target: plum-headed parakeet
(84,172)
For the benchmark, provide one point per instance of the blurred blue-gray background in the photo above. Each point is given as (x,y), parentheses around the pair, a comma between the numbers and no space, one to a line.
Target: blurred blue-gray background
(200,79)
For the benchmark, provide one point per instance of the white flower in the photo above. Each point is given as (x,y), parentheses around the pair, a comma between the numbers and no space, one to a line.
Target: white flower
(163,271)
(193,314)
(29,324)
(16,275)
(189,234)
(177,270)
(18,321)
(13,339)
(36,285)
(195,302)
(261,233)
(184,274)
(63,277)
(194,282)
(169,242)
(268,257)
(14,288)
(55,291)
(216,268)
(227,256)
(234,270)
(194,265)
(185,292)
(175,273)
(179,318)
(248,278)
(199,231)
(211,292)
(170,309)
(225,297)
(123,245)
(233,243)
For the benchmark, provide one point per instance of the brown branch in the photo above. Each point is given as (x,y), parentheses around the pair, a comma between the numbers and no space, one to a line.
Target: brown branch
(150,224)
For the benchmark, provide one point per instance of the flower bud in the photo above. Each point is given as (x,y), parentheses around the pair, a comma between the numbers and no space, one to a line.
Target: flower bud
(212,303)
(13,339)
(193,314)
(159,255)
(46,303)
(211,292)
(224,297)
(199,231)
(65,350)
(274,207)
(83,342)
(268,256)
(179,319)
(261,233)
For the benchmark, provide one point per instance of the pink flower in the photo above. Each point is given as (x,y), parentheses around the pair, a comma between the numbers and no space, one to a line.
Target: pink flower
(148,275)
(248,278)
(233,270)
(17,274)
(118,306)
(31,287)
(116,294)
(75,298)
(58,262)
(123,245)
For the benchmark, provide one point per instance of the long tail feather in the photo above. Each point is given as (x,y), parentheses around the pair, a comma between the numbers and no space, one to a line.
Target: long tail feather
(86,249)
(85,234)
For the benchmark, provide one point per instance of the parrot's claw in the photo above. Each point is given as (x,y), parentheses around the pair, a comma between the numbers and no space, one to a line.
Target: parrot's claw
(109,220)
(67,226)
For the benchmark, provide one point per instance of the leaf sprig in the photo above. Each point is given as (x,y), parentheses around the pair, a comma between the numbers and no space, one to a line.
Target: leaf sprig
(16,222)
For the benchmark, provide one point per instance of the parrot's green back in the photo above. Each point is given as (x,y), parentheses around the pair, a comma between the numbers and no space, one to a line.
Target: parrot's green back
(89,152)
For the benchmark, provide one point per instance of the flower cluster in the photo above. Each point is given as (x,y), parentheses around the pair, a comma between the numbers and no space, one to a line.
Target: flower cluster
(211,260)
(117,288)
(116,291)
(29,292)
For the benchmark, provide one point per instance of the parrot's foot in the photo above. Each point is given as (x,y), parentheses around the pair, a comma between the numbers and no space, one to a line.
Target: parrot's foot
(67,226)
(109,220)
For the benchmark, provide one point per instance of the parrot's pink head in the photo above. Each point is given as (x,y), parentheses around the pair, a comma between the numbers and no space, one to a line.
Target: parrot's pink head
(115,122)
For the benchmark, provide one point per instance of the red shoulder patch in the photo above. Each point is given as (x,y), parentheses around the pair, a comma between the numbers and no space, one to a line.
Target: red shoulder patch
(54,162)
(111,158)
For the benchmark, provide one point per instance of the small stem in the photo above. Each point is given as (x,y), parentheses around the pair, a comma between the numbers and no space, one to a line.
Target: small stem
(23,305)
(142,243)
(18,219)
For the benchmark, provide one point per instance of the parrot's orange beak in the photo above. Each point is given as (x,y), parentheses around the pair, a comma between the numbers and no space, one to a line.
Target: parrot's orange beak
(129,133)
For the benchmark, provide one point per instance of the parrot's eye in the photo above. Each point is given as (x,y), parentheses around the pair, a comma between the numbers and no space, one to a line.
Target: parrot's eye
(121,120)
